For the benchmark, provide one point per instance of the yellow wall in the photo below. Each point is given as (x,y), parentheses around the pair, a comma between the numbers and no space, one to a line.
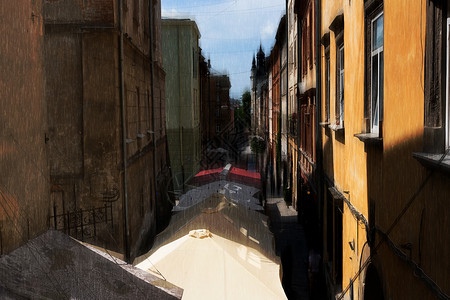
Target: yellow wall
(387,174)
(344,158)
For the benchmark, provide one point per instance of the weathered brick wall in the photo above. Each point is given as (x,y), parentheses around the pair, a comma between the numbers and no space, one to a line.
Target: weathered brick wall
(94,12)
(83,92)
(24,186)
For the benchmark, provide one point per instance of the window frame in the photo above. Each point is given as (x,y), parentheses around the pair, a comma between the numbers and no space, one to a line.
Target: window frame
(373,10)
(339,106)
(138,113)
(379,52)
(325,41)
(327,86)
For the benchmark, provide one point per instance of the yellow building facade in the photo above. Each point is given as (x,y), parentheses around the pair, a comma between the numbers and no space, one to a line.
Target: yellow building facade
(384,126)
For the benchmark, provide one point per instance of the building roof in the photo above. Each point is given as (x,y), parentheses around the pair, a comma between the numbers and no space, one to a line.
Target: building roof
(55,266)
(181,22)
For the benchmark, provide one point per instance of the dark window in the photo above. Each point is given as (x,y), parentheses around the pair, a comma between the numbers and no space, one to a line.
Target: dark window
(337,26)
(138,112)
(327,86)
(436,118)
(136,8)
(194,63)
(304,43)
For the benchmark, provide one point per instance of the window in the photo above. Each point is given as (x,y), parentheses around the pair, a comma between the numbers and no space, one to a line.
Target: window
(325,40)
(218,111)
(136,9)
(327,86)
(147,111)
(374,69)
(304,51)
(376,81)
(340,87)
(218,128)
(295,54)
(308,37)
(194,63)
(337,26)
(138,113)
(436,73)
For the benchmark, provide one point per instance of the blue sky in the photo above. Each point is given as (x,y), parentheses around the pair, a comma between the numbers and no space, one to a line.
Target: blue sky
(231,31)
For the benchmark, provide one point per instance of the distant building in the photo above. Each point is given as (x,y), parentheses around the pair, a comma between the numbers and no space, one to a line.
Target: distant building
(293,109)
(106,115)
(306,195)
(221,123)
(181,63)
(258,82)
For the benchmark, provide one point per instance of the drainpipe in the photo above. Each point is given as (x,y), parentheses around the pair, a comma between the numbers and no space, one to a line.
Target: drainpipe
(180,115)
(287,97)
(150,52)
(318,128)
(124,137)
(299,81)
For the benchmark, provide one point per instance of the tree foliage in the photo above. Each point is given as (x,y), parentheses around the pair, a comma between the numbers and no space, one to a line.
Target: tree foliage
(246,105)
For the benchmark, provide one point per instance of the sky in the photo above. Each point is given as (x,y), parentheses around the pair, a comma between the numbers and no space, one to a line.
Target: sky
(231,32)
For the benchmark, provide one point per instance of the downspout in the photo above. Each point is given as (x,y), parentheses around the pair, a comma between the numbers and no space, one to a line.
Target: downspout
(150,52)
(289,170)
(180,119)
(299,81)
(318,128)
(124,138)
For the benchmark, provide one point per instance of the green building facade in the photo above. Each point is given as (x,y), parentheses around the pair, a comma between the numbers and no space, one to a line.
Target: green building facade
(181,64)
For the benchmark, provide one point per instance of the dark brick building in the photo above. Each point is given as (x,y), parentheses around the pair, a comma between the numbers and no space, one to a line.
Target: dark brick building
(217,114)
(24,205)
(106,115)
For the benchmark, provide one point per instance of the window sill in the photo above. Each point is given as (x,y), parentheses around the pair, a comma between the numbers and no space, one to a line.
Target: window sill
(433,161)
(370,138)
(337,128)
(140,135)
(324,124)
(129,141)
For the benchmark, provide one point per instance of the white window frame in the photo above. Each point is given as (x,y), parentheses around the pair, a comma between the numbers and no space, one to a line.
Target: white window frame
(341,84)
(375,128)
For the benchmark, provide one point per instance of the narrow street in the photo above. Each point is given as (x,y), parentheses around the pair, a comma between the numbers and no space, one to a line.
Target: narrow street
(290,243)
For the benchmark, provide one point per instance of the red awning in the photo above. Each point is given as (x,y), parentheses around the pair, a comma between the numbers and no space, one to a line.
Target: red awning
(244,176)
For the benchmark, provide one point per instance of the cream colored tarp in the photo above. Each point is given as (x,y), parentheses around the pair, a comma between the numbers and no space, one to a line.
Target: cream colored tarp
(208,266)
(232,258)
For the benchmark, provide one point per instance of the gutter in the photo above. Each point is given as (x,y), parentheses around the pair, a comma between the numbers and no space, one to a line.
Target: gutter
(289,170)
(150,52)
(318,128)
(299,81)
(124,137)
